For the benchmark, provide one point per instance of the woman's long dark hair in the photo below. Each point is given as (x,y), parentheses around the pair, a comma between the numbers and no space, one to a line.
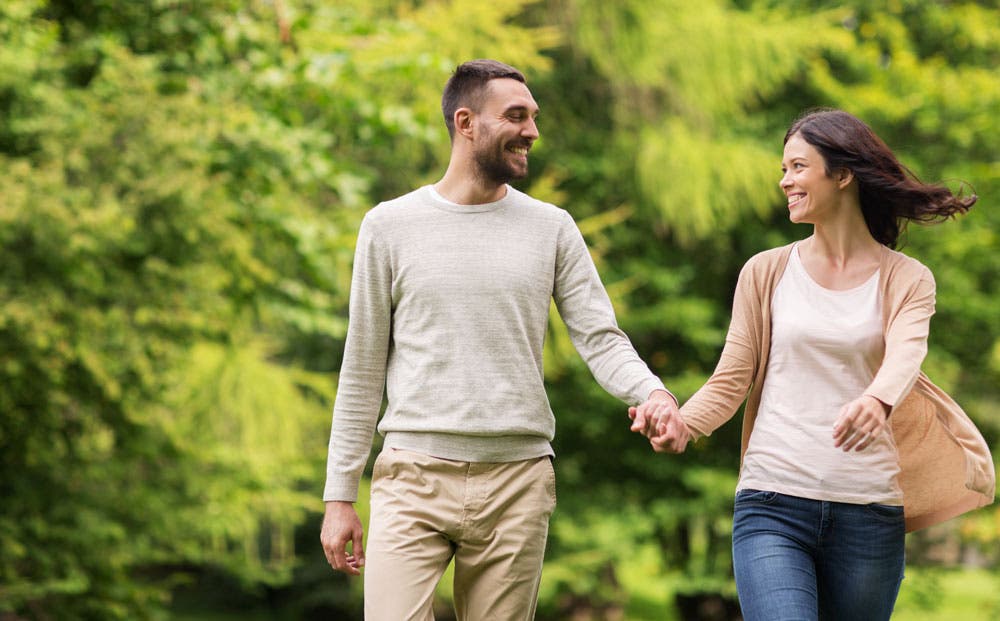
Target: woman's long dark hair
(890,194)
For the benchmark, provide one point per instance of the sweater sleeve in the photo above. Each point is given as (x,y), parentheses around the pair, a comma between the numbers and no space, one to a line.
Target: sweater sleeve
(586,310)
(362,375)
(905,342)
(717,401)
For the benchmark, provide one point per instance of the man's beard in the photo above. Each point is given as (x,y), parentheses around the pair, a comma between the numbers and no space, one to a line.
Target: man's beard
(492,166)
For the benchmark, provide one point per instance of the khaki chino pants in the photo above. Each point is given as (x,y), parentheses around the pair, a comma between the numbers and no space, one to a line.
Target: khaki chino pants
(493,518)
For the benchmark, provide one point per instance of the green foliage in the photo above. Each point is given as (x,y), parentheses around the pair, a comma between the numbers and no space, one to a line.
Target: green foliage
(183,183)
(935,594)
(146,427)
(692,103)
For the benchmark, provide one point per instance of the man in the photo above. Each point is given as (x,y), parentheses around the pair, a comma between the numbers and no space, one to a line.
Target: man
(449,307)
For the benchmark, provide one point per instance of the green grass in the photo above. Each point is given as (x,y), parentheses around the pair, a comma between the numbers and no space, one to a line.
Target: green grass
(249,615)
(926,595)
(948,595)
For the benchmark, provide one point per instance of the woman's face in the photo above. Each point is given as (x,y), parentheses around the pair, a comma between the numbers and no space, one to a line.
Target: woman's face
(811,192)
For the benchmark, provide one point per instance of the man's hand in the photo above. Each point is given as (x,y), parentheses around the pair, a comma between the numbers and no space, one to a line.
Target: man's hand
(659,403)
(340,526)
(670,434)
(660,420)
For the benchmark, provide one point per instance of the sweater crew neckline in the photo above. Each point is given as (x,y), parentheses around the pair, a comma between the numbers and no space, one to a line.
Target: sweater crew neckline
(443,203)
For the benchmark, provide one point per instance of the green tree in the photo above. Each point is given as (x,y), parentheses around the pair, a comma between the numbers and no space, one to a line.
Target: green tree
(187,179)
(183,183)
(148,423)
(669,119)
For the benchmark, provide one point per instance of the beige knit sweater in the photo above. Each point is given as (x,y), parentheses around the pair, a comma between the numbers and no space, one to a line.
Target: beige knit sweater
(449,309)
(946,466)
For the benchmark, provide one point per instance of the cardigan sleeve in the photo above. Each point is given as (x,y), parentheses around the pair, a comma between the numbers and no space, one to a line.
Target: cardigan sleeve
(717,401)
(905,341)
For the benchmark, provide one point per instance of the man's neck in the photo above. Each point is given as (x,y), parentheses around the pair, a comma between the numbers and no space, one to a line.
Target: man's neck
(465,188)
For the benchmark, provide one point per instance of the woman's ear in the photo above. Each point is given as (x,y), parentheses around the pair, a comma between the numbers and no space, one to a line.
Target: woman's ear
(844,177)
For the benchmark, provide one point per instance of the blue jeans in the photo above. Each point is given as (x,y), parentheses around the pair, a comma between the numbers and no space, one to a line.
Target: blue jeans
(801,559)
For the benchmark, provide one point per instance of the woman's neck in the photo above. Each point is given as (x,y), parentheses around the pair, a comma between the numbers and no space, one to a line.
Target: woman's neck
(842,236)
(840,245)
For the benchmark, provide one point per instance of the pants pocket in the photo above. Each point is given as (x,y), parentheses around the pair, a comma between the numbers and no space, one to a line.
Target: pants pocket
(755,496)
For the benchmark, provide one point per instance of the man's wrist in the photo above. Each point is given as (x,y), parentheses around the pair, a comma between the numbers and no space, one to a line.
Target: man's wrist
(337,504)
(662,394)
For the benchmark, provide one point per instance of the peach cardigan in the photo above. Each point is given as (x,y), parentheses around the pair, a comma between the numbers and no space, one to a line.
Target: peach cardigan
(946,466)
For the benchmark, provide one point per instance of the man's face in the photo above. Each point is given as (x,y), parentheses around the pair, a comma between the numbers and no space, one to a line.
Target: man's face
(506,131)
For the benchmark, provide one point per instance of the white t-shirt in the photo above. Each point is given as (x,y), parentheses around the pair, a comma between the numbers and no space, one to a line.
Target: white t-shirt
(826,347)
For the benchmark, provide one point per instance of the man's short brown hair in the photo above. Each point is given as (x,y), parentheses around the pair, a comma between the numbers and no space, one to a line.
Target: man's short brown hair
(466,87)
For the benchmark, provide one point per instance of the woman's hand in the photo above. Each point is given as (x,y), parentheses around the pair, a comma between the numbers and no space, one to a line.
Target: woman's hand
(670,434)
(659,404)
(860,423)
(660,421)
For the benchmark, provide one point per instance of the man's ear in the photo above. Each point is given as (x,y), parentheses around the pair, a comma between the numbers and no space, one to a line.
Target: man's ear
(463,122)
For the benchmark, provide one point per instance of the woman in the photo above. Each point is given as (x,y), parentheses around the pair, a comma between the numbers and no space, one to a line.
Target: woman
(841,430)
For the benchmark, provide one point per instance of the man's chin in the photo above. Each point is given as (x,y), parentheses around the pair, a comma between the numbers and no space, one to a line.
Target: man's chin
(517,173)
(506,176)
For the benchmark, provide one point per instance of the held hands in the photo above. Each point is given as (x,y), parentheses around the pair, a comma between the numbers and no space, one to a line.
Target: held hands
(860,423)
(660,421)
(340,526)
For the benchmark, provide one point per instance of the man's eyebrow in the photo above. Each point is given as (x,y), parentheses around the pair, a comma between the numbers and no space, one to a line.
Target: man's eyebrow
(520,107)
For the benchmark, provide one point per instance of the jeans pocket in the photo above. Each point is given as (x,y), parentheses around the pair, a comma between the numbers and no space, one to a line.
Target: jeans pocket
(887,513)
(755,496)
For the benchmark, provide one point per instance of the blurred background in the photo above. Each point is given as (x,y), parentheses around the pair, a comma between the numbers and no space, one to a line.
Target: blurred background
(181,183)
